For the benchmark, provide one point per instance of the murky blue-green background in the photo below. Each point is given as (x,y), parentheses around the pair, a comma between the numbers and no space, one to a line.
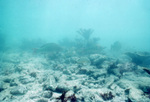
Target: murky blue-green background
(126,21)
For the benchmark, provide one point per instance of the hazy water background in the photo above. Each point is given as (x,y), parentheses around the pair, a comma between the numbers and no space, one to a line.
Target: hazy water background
(127,21)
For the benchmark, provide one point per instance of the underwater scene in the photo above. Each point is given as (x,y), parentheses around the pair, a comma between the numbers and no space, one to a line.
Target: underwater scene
(74,50)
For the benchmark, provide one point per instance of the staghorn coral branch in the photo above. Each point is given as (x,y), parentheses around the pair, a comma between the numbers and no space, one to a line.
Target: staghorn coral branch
(85,33)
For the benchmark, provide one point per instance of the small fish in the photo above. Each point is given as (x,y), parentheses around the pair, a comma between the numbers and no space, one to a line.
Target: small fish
(48,48)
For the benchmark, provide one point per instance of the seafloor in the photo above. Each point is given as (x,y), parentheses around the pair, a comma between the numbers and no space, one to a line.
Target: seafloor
(26,76)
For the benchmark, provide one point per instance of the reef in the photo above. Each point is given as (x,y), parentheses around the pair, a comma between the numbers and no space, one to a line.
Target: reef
(81,71)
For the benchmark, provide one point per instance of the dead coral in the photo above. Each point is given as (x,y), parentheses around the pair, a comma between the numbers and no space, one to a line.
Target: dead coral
(107,96)
(116,46)
(85,33)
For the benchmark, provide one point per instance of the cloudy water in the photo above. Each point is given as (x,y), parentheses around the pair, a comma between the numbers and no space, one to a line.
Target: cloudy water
(126,21)
(74,50)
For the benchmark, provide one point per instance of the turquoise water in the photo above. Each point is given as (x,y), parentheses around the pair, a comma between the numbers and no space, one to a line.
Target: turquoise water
(74,51)
(126,21)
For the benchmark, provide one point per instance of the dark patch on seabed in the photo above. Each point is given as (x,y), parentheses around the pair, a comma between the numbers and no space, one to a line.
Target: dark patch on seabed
(74,71)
